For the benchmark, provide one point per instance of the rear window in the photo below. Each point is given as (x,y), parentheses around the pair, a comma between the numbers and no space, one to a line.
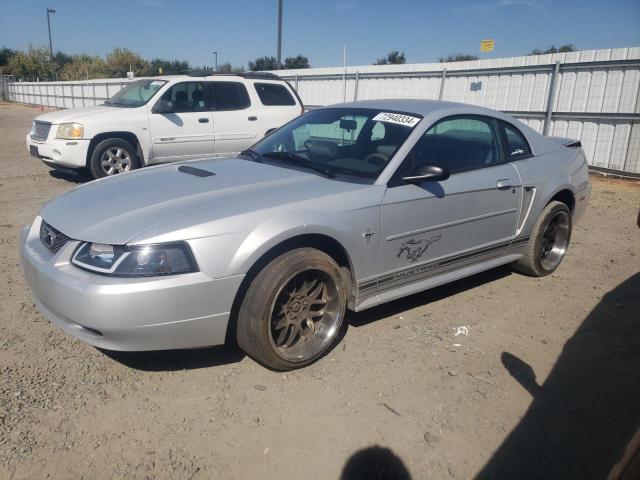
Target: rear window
(274,94)
(229,95)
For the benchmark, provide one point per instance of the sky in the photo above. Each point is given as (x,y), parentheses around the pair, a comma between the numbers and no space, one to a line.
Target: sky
(242,30)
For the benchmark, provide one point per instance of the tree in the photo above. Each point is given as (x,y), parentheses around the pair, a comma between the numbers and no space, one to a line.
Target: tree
(263,63)
(226,67)
(299,61)
(160,66)
(458,57)
(82,67)
(5,56)
(569,47)
(393,58)
(32,64)
(121,60)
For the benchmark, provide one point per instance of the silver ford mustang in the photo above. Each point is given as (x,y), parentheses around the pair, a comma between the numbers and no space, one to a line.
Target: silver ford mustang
(347,206)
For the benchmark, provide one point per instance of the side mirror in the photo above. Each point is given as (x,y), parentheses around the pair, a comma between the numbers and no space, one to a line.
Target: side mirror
(163,106)
(427,173)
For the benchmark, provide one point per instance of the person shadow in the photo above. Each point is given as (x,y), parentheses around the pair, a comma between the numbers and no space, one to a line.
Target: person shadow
(584,416)
(375,463)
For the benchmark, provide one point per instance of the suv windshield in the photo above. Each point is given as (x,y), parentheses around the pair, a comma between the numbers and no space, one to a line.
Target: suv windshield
(136,94)
(354,142)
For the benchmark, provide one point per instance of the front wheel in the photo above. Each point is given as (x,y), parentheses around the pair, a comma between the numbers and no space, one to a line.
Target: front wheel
(113,156)
(548,243)
(293,310)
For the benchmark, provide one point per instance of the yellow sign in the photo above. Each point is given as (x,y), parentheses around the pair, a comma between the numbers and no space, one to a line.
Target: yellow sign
(486,45)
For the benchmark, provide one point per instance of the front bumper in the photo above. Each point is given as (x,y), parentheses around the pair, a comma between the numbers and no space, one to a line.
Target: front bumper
(181,311)
(54,151)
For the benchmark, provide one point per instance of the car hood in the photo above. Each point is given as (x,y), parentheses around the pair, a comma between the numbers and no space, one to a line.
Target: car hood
(117,209)
(76,114)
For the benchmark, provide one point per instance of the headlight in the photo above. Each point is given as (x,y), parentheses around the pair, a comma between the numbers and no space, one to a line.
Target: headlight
(138,261)
(33,128)
(70,131)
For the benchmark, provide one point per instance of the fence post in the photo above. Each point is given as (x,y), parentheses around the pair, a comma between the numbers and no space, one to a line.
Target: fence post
(82,91)
(296,83)
(550,98)
(95,101)
(442,80)
(344,85)
(355,86)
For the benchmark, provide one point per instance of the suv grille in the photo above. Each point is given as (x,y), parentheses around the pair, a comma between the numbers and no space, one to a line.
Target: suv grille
(41,131)
(52,238)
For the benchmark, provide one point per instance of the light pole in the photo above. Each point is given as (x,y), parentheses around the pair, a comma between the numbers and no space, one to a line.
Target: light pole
(49,12)
(215,56)
(279,59)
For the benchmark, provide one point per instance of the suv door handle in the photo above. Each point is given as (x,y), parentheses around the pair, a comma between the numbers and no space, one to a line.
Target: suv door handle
(504,184)
(252,118)
(203,120)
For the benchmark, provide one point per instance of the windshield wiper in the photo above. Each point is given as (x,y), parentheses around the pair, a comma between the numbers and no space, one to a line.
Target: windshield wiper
(300,160)
(252,154)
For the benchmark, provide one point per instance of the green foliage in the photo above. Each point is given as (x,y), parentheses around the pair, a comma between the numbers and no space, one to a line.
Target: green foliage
(393,58)
(263,63)
(32,64)
(569,47)
(168,67)
(121,60)
(82,67)
(299,61)
(228,68)
(458,57)
(5,56)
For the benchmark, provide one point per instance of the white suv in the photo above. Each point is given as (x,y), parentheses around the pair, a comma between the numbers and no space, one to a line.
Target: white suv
(165,119)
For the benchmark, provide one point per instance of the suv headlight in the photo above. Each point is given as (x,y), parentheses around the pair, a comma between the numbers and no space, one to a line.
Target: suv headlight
(70,131)
(136,261)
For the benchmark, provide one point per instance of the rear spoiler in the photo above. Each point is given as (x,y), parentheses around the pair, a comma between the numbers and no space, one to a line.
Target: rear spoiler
(566,142)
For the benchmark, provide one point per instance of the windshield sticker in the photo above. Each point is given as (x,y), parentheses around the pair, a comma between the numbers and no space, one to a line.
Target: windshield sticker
(397,118)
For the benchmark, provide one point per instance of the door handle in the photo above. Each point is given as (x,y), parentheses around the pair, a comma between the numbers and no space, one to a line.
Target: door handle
(203,120)
(504,184)
(252,118)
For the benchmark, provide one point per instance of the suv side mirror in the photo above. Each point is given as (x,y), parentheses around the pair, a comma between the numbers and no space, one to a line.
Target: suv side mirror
(427,173)
(163,106)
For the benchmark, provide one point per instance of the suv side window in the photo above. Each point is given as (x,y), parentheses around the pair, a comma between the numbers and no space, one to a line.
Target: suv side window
(458,144)
(516,145)
(273,94)
(229,95)
(186,97)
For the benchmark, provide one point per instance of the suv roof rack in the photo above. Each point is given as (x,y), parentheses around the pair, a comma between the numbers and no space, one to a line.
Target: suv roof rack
(253,75)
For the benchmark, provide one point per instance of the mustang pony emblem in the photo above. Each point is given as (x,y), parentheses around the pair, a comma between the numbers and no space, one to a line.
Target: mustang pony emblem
(415,248)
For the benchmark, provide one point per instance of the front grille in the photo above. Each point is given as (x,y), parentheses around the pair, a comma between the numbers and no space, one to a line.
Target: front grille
(41,132)
(52,238)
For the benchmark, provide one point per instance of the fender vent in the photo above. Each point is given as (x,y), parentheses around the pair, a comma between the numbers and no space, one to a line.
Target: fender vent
(197,172)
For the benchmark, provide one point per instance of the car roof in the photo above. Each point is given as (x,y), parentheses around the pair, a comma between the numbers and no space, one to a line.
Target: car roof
(218,76)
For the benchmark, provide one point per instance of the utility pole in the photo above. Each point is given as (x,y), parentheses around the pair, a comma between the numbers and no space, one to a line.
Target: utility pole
(215,54)
(279,59)
(49,12)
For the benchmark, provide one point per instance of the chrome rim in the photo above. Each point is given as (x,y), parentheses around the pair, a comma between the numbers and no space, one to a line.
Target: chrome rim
(305,316)
(554,241)
(115,160)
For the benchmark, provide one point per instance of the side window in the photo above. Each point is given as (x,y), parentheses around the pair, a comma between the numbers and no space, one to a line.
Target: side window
(273,94)
(516,145)
(457,144)
(186,97)
(229,96)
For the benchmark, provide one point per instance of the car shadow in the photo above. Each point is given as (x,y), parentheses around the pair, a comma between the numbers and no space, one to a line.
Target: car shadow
(172,360)
(395,307)
(584,415)
(375,463)
(74,176)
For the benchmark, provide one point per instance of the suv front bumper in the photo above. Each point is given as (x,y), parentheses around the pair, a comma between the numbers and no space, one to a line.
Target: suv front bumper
(66,153)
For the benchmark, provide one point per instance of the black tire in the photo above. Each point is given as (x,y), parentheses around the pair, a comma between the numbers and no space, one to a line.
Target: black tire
(274,291)
(536,260)
(129,156)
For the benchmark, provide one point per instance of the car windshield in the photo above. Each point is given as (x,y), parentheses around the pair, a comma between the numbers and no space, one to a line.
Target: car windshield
(135,94)
(339,142)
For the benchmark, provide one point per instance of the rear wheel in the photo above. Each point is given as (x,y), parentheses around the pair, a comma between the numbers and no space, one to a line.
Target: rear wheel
(293,310)
(548,243)
(113,156)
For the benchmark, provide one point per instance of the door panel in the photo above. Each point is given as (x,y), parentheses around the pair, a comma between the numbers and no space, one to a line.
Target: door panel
(188,130)
(235,123)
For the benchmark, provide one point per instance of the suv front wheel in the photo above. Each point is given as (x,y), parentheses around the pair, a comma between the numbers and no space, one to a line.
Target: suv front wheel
(113,156)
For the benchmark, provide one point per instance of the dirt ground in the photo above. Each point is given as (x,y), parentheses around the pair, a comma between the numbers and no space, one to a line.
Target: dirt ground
(545,384)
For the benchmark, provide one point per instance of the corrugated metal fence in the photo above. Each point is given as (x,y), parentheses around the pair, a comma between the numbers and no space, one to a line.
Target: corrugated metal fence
(591,95)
